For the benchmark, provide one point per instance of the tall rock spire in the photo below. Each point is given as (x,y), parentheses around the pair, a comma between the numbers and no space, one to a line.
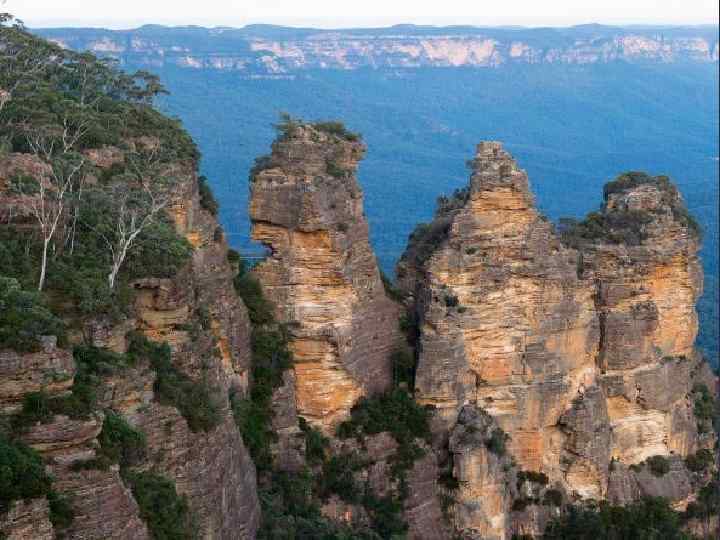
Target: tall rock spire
(307,208)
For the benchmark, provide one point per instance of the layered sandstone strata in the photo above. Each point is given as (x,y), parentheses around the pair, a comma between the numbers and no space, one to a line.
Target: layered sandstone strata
(580,349)
(505,321)
(206,325)
(321,274)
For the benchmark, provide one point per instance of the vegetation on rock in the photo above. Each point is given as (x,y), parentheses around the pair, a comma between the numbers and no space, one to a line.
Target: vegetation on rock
(166,513)
(195,400)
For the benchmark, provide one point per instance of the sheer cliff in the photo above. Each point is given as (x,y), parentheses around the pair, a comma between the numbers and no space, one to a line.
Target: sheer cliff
(306,207)
(578,345)
(272,51)
(120,334)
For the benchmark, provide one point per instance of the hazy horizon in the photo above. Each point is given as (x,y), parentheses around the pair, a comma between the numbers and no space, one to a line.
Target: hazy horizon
(322,24)
(327,14)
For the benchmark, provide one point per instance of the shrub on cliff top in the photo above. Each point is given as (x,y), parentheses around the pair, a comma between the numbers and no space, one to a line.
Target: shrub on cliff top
(338,129)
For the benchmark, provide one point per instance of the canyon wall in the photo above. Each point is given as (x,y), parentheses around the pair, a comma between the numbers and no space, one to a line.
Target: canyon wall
(199,315)
(261,51)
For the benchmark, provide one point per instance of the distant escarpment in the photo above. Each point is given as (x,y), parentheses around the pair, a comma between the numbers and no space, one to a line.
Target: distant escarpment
(577,345)
(321,274)
(120,333)
(271,51)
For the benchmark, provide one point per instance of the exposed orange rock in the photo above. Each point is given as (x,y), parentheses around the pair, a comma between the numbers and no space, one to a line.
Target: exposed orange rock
(321,274)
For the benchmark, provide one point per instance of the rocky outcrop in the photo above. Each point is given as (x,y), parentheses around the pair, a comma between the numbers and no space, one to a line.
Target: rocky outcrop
(321,275)
(505,322)
(579,346)
(485,474)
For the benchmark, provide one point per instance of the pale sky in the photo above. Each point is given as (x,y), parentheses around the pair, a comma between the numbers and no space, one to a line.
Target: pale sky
(338,13)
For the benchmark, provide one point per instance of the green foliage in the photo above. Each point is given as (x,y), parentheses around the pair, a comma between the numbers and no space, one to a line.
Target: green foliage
(22,473)
(553,497)
(207,199)
(92,365)
(290,511)
(658,465)
(338,478)
(385,515)
(700,460)
(166,513)
(626,226)
(338,129)
(705,407)
(159,252)
(426,238)
(316,443)
(395,412)
(392,291)
(532,476)
(707,503)
(646,519)
(24,318)
(61,512)
(616,227)
(119,443)
(404,367)
(335,170)
(194,399)
(249,289)
(253,415)
(496,443)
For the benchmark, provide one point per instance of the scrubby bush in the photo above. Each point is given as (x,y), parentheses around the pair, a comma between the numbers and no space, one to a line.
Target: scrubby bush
(404,366)
(392,291)
(649,518)
(194,399)
(338,129)
(700,460)
(496,443)
(207,199)
(22,473)
(532,476)
(658,465)
(166,513)
(704,407)
(260,310)
(120,442)
(316,443)
(24,318)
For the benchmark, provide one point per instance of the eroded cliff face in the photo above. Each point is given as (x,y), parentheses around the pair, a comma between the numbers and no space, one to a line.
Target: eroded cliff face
(505,323)
(581,350)
(321,274)
(258,53)
(199,315)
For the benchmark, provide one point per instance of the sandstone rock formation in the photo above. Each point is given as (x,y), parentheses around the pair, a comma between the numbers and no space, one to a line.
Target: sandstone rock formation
(580,349)
(306,207)
(198,313)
